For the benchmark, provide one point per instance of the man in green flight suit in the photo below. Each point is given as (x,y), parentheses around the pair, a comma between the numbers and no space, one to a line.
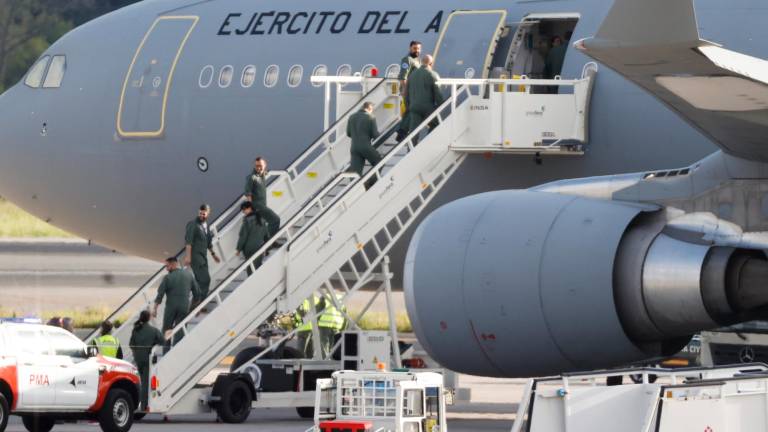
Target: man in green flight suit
(362,129)
(253,234)
(177,286)
(424,95)
(143,338)
(198,240)
(256,194)
(408,64)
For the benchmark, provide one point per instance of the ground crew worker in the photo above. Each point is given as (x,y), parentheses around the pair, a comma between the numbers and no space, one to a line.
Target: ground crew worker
(407,65)
(363,130)
(330,323)
(256,194)
(143,338)
(199,240)
(303,324)
(553,65)
(424,95)
(253,234)
(108,345)
(177,286)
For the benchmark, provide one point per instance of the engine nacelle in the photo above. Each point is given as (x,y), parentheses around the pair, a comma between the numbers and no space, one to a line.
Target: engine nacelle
(522,283)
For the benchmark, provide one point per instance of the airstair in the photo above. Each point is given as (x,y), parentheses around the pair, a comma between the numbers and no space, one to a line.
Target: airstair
(288,190)
(731,398)
(336,233)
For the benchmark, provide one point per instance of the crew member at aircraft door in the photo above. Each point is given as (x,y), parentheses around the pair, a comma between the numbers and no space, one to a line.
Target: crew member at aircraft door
(363,130)
(107,344)
(256,193)
(199,240)
(555,58)
(424,94)
(176,287)
(253,234)
(408,64)
(143,337)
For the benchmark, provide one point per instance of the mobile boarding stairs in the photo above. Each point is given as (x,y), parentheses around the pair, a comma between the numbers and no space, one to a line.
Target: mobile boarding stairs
(336,235)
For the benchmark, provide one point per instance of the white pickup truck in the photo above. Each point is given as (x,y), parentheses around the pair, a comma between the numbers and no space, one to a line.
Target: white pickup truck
(48,374)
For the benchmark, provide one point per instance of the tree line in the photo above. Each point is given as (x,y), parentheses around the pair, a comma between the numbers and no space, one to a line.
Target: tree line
(29,27)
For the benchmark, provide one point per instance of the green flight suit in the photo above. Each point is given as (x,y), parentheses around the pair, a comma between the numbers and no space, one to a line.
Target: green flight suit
(362,129)
(407,65)
(256,187)
(553,65)
(176,287)
(253,234)
(143,338)
(424,95)
(201,241)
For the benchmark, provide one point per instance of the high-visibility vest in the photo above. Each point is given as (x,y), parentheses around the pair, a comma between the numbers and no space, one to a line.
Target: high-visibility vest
(107,345)
(332,318)
(301,320)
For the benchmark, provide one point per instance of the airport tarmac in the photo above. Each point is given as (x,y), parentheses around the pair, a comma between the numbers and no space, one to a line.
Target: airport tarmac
(38,276)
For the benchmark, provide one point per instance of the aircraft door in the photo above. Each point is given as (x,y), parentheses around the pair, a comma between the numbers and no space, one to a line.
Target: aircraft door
(144,97)
(467,43)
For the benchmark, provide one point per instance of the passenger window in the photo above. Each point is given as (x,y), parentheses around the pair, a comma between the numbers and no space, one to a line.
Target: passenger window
(35,74)
(367,69)
(206,77)
(393,71)
(225,76)
(31,342)
(249,76)
(344,70)
(65,344)
(55,72)
(320,70)
(295,75)
(271,75)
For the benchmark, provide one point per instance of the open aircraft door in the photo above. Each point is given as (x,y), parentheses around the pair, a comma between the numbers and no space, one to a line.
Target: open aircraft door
(144,97)
(467,43)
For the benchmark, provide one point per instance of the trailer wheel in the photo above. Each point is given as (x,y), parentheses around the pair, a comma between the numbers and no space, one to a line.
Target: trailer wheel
(306,412)
(235,404)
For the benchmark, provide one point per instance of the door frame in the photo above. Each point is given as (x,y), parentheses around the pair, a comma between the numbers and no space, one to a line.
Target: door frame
(491,47)
(159,132)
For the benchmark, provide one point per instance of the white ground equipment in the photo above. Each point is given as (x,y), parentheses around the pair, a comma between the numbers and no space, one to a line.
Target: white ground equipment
(336,234)
(380,402)
(733,399)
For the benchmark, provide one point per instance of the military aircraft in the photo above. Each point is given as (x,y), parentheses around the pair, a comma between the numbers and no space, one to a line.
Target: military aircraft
(603,271)
(94,148)
(127,123)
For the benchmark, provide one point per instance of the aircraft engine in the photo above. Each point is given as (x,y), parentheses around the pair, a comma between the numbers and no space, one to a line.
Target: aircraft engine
(522,283)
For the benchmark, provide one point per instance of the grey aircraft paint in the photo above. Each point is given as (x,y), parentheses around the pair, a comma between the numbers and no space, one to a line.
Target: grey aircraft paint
(62,159)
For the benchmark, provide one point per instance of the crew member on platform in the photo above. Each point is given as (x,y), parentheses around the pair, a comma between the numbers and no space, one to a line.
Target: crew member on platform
(408,64)
(424,95)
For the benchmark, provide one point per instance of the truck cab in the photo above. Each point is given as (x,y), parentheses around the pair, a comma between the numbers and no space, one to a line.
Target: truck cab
(398,401)
(47,373)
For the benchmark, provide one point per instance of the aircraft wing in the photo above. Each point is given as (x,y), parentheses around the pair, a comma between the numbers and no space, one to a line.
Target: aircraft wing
(656,44)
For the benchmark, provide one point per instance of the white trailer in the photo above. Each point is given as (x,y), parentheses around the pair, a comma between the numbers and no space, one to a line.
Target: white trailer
(381,402)
(729,398)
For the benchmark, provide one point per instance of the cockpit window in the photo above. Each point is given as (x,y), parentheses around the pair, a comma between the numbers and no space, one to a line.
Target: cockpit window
(55,72)
(35,75)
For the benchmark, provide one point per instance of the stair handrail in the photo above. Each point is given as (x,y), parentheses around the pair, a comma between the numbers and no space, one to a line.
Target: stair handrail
(292,170)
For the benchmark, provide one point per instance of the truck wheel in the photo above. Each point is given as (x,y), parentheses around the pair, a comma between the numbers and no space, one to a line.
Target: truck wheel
(235,404)
(306,412)
(35,423)
(117,413)
(5,411)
